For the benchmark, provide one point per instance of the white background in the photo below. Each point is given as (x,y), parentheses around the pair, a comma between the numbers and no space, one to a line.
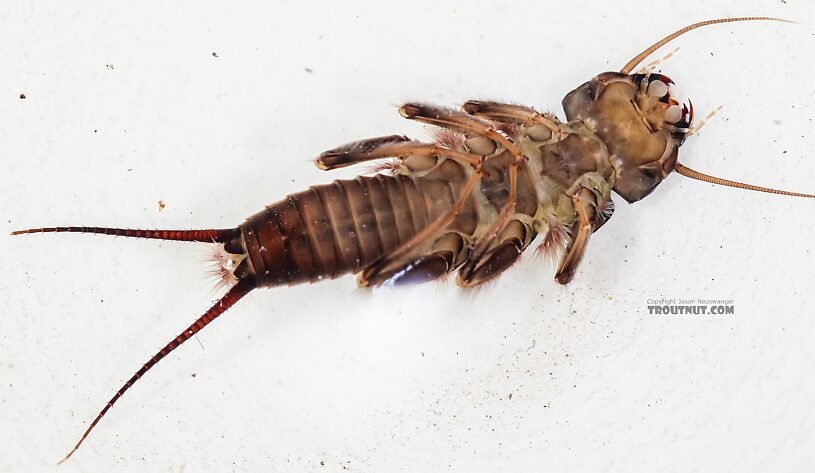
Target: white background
(331,378)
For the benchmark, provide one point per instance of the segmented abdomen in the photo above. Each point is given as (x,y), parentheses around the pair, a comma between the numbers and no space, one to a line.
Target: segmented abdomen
(342,227)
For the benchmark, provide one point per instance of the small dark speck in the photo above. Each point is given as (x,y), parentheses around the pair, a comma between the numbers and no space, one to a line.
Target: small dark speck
(510,396)
(95,131)
(308,70)
(214,54)
(422,353)
(194,375)
(785,151)
(322,463)
(129,169)
(22,96)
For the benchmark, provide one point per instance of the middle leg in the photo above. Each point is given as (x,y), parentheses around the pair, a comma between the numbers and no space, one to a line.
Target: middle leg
(503,242)
(412,257)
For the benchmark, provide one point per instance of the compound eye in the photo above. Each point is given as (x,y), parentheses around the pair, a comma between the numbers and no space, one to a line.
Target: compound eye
(673,114)
(657,89)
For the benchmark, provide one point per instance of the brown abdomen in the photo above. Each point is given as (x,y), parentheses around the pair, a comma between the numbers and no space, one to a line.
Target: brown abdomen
(342,227)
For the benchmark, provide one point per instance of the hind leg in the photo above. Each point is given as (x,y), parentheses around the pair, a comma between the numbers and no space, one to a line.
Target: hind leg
(484,262)
(393,146)
(446,254)
(420,246)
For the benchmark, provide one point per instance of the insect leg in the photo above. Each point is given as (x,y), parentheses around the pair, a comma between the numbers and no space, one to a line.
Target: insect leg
(486,262)
(504,112)
(513,240)
(403,258)
(448,252)
(359,151)
(468,123)
(398,263)
(459,121)
(585,206)
(393,146)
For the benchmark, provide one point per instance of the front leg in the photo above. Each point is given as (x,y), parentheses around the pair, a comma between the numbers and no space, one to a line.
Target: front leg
(585,206)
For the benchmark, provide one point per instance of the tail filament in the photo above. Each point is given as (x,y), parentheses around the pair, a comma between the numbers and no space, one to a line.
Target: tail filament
(234,295)
(208,236)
